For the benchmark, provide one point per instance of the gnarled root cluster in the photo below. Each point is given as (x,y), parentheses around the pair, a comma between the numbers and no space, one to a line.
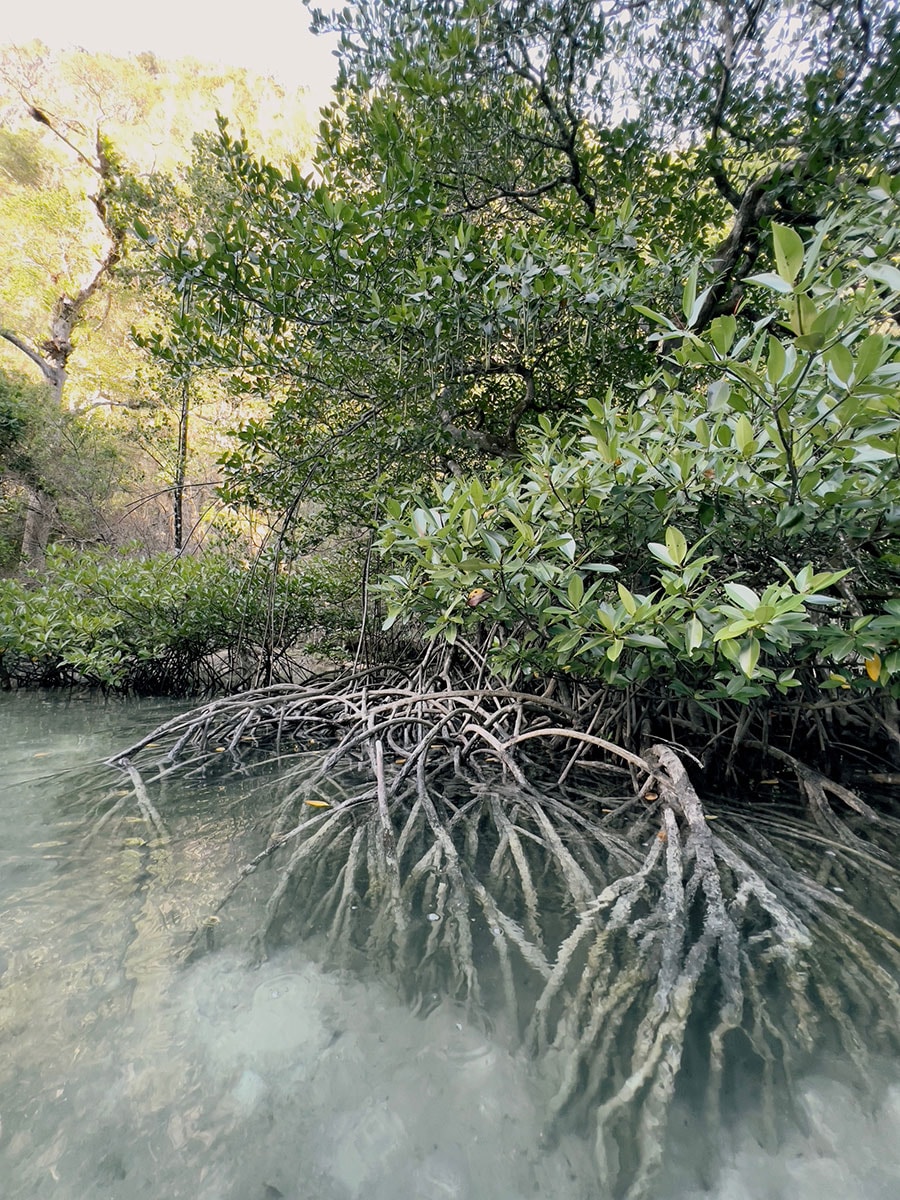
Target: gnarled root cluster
(437,839)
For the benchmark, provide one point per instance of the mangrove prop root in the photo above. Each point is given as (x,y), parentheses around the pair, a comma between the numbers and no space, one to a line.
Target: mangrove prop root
(453,811)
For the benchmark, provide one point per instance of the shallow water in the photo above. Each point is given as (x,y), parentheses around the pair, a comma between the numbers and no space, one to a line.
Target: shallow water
(126,1072)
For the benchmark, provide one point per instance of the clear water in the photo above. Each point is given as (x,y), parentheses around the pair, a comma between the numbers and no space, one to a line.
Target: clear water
(126,1072)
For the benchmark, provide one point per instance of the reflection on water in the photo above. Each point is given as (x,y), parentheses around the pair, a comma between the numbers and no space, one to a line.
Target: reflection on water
(125,1073)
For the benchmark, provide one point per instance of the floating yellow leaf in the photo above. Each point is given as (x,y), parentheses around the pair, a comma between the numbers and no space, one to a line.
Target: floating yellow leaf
(318,804)
(42,754)
(873,668)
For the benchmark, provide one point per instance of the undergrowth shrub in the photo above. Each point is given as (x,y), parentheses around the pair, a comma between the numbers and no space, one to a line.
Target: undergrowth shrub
(164,624)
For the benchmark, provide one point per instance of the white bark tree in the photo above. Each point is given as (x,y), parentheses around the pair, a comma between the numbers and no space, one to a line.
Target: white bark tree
(52,355)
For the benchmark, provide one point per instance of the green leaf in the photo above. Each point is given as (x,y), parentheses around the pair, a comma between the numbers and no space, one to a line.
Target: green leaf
(493,547)
(803,315)
(689,294)
(722,331)
(868,356)
(776,360)
(791,518)
(749,657)
(742,596)
(676,544)
(655,317)
(718,394)
(810,341)
(743,435)
(788,252)
(734,629)
(768,279)
(576,591)
(694,634)
(646,639)
(661,552)
(567,546)
(694,314)
(884,273)
(628,601)
(840,360)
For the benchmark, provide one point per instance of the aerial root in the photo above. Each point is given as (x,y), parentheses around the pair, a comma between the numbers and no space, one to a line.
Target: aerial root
(146,807)
(443,836)
(816,787)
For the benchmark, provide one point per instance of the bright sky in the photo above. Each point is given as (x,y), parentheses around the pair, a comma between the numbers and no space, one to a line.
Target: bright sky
(268,36)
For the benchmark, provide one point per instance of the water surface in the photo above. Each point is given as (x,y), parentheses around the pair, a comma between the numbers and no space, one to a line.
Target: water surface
(127,1071)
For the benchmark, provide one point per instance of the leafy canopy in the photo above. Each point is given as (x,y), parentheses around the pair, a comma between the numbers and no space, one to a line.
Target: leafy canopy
(518,211)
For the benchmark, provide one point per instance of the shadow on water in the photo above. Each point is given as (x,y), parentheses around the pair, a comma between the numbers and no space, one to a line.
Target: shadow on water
(147,1052)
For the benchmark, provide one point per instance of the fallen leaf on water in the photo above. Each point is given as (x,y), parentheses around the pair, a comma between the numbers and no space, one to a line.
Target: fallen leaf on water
(42,754)
(318,804)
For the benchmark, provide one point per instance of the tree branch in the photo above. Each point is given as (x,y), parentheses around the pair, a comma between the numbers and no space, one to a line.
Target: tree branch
(49,372)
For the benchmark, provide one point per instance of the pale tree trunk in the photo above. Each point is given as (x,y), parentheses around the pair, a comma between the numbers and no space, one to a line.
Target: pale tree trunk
(181,466)
(39,516)
(52,356)
(40,509)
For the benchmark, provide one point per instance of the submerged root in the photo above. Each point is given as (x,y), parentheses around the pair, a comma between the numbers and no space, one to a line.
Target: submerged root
(448,825)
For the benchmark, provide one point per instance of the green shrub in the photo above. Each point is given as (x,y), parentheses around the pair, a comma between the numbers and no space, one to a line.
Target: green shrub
(731,529)
(164,624)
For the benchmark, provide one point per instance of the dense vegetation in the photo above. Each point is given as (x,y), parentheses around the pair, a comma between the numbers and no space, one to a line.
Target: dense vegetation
(575,349)
(602,374)
(106,457)
(609,368)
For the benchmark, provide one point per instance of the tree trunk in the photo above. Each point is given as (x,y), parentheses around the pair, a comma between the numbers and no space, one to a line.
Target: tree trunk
(52,356)
(181,466)
(39,515)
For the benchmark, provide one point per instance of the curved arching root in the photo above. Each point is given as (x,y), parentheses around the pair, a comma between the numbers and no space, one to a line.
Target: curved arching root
(448,824)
